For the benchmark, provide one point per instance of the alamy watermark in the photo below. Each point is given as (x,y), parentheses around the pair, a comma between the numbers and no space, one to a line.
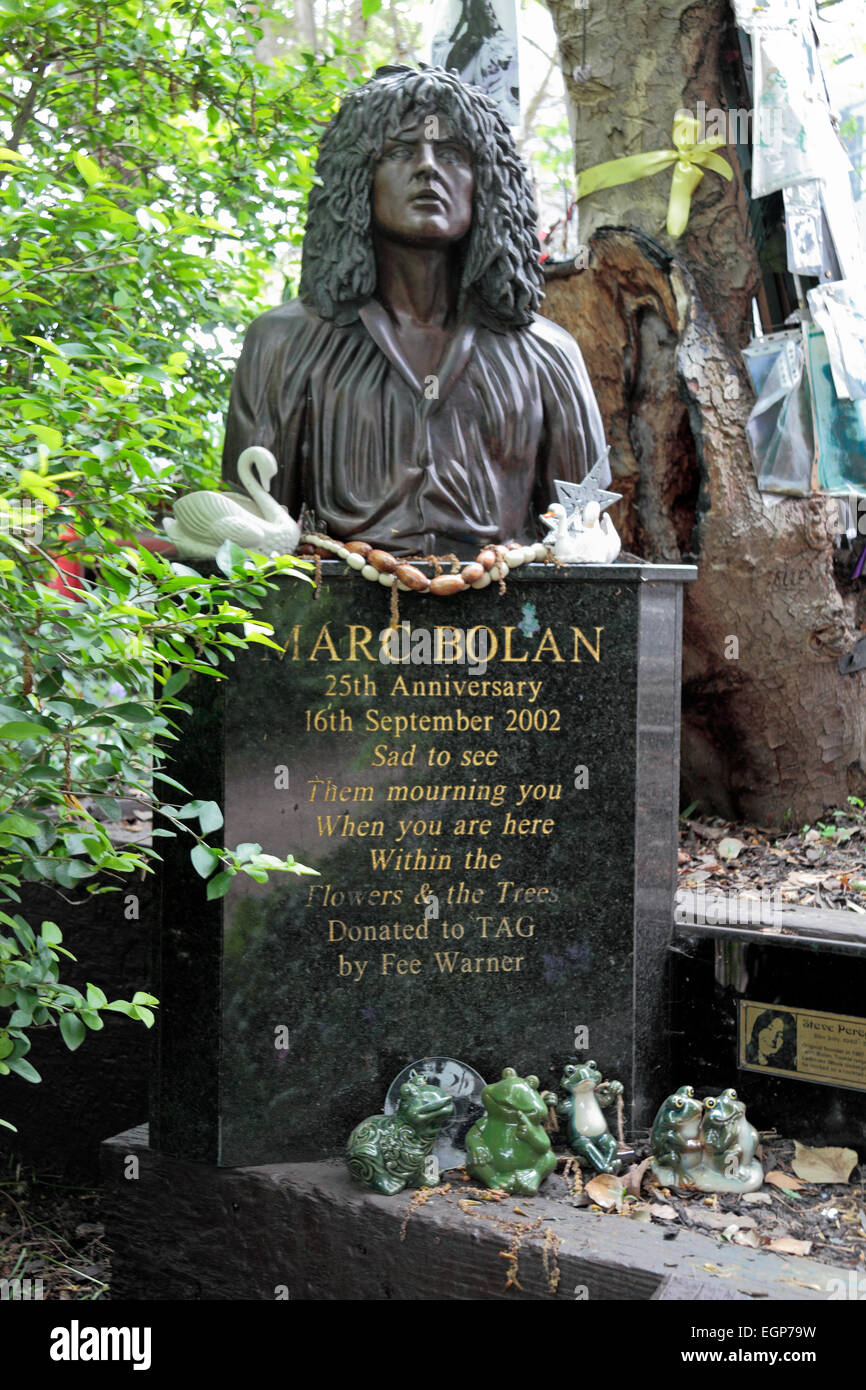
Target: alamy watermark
(18,1290)
(735,126)
(438,646)
(22,516)
(697,907)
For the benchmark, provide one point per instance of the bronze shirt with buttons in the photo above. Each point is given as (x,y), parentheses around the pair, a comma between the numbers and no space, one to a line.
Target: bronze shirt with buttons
(414,466)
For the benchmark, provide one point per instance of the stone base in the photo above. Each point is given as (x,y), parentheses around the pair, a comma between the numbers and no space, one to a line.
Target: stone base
(184,1230)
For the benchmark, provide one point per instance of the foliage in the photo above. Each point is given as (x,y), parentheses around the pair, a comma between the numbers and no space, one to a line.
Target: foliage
(153,175)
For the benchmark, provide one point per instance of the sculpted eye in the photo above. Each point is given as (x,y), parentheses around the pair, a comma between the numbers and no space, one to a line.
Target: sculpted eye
(678,1104)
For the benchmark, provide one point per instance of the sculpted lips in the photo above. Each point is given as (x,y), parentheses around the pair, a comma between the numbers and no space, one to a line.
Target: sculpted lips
(428,198)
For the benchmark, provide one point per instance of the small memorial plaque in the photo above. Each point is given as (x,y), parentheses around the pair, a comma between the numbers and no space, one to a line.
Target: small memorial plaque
(804,1044)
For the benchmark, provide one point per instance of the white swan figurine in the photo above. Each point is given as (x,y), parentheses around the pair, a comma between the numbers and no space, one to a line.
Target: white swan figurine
(562,528)
(582,541)
(204,520)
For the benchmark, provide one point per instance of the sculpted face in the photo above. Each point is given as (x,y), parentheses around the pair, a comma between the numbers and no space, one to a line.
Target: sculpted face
(422,187)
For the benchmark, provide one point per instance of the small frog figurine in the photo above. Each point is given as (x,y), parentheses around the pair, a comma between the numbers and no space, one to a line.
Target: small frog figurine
(389,1152)
(675,1143)
(729,1143)
(588,1135)
(510,1149)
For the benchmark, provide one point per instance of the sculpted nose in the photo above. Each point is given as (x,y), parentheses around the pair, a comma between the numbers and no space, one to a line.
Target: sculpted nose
(426,163)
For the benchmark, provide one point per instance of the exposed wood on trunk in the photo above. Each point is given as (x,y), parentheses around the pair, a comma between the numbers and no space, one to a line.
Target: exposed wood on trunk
(770,727)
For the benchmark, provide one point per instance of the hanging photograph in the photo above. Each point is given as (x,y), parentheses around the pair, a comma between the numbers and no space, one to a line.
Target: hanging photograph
(477,39)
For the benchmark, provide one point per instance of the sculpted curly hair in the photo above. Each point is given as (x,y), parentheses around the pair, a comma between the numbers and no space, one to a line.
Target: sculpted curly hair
(500,273)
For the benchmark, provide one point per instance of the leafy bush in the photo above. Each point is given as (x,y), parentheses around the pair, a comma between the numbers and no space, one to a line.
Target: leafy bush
(152,177)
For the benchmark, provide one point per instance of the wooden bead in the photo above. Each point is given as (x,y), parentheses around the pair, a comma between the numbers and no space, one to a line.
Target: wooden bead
(359,547)
(382,561)
(306,550)
(487,558)
(412,578)
(322,553)
(470,573)
(445,584)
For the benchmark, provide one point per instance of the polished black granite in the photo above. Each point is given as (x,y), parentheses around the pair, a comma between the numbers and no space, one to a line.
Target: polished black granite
(567,930)
(714,973)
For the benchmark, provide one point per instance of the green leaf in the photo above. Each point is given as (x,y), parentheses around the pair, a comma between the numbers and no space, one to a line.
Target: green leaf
(24,1069)
(210,817)
(219,885)
(133,713)
(19,728)
(176,681)
(87,168)
(16,824)
(72,1030)
(204,860)
(53,438)
(95,997)
(247,850)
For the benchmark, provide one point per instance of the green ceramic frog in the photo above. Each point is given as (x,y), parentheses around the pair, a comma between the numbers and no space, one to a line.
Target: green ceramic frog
(510,1149)
(675,1142)
(389,1152)
(588,1135)
(729,1140)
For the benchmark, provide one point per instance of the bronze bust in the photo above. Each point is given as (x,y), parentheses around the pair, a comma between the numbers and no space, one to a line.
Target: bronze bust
(411,395)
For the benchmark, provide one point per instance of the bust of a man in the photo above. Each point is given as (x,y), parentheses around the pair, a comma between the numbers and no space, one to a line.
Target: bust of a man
(411,394)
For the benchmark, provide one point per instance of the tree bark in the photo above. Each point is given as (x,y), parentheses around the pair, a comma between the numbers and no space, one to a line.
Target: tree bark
(771,729)
(772,732)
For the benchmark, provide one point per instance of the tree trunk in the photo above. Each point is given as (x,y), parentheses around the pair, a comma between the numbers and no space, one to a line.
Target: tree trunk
(771,730)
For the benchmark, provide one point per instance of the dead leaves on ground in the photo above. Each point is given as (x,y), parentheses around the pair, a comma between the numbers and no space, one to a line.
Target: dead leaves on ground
(823,1165)
(788,1216)
(784,1180)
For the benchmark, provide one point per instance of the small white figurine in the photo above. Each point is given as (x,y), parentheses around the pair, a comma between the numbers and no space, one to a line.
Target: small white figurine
(204,520)
(585,540)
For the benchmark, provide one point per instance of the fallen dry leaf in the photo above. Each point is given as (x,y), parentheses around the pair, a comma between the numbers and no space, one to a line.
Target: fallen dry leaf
(729,847)
(719,1220)
(606,1190)
(661,1212)
(787,1245)
(633,1177)
(784,1180)
(823,1165)
(755,1198)
(740,1237)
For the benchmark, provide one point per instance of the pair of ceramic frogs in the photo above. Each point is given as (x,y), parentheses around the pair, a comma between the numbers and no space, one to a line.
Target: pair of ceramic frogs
(705,1144)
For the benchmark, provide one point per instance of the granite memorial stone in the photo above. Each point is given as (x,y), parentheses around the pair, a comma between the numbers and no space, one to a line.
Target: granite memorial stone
(495,843)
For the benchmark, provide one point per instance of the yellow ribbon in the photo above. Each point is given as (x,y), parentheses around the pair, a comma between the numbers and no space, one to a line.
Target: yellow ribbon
(687,157)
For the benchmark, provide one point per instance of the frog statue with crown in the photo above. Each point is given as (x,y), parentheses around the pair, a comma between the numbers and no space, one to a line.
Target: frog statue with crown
(411,401)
